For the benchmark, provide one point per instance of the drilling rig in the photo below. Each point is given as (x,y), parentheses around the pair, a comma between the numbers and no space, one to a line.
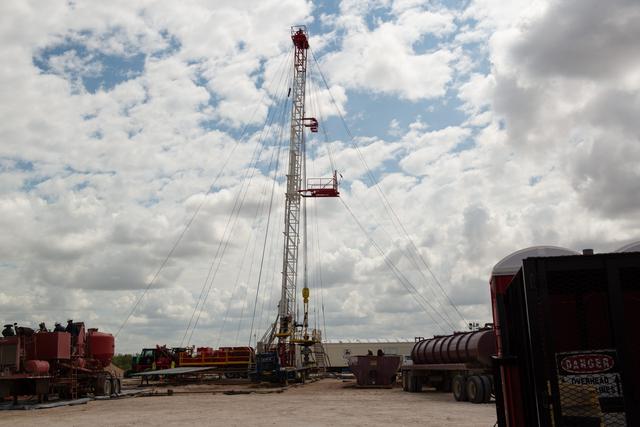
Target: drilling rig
(284,350)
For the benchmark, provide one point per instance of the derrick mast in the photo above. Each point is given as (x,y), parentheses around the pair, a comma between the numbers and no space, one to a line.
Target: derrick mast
(293,199)
(286,329)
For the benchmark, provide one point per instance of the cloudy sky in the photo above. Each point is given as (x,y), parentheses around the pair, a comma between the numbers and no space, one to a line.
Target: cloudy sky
(471,129)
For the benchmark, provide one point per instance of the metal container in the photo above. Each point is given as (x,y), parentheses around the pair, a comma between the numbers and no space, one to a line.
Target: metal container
(375,371)
(101,346)
(474,348)
(52,346)
(37,367)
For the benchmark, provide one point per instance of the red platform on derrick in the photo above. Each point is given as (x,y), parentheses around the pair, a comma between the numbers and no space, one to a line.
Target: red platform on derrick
(300,38)
(322,187)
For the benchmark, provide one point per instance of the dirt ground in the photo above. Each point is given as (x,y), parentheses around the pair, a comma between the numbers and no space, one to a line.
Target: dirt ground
(329,402)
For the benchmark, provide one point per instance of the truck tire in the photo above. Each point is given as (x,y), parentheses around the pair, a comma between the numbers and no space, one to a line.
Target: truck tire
(417,384)
(488,389)
(116,386)
(459,388)
(475,389)
(107,387)
(414,384)
(102,386)
(98,385)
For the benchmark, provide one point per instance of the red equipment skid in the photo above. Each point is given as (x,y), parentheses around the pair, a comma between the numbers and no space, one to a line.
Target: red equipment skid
(227,359)
(69,364)
(237,359)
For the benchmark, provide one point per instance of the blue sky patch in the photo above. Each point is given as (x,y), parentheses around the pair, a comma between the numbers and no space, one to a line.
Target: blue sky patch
(23,165)
(534,180)
(173,46)
(81,186)
(31,183)
(95,70)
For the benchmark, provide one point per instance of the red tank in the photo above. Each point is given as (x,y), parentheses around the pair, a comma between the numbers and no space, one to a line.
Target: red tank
(52,345)
(36,367)
(101,346)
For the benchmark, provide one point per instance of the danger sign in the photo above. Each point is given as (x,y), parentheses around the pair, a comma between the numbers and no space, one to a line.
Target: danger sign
(590,363)
(590,382)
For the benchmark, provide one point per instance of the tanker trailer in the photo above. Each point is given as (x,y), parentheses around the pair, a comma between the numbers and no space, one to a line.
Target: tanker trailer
(458,363)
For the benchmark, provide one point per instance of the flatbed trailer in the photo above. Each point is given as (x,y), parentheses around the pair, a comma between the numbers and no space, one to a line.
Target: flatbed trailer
(194,372)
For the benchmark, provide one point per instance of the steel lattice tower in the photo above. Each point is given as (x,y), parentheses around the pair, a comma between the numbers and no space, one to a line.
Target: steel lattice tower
(293,198)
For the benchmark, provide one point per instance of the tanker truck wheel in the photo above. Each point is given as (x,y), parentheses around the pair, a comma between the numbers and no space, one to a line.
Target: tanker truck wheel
(102,386)
(415,384)
(488,389)
(459,388)
(410,383)
(475,389)
(116,386)
(107,387)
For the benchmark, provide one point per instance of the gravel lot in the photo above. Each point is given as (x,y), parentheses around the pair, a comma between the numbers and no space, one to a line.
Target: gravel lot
(329,402)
